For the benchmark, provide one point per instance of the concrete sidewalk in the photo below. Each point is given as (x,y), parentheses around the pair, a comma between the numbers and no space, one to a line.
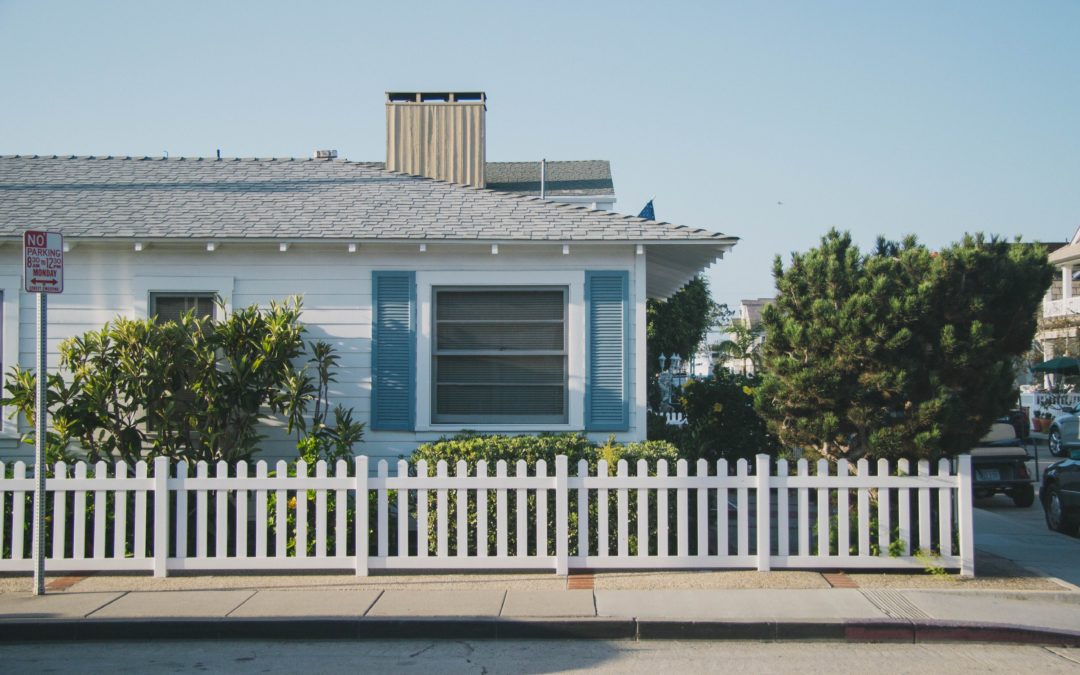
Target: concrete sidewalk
(537,606)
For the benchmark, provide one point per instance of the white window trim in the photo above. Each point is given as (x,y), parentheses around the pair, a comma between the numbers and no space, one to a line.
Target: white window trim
(574,281)
(12,289)
(143,287)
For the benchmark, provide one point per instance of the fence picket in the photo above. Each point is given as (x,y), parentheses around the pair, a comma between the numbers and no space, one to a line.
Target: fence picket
(260,512)
(282,507)
(682,511)
(541,511)
(500,510)
(623,511)
(301,536)
(202,516)
(78,515)
(743,499)
(3,507)
(320,511)
(702,510)
(441,513)
(843,512)
(602,515)
(903,504)
(642,511)
(723,511)
(101,470)
(944,511)
(221,511)
(403,511)
(482,512)
(140,512)
(382,508)
(521,528)
(462,545)
(803,469)
(584,526)
(925,538)
(823,508)
(341,509)
(783,520)
(241,524)
(863,471)
(884,513)
(422,513)
(662,510)
(59,512)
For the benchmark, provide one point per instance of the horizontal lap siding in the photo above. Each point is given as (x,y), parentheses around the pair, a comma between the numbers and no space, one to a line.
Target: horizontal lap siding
(101,284)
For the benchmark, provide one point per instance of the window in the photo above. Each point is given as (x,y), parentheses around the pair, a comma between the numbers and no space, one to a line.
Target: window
(499,355)
(171,306)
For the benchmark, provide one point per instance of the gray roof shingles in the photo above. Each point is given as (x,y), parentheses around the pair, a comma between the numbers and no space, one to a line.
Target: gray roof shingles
(87,197)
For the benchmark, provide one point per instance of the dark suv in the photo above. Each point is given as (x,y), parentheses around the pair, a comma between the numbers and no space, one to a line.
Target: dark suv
(1000,462)
(1060,493)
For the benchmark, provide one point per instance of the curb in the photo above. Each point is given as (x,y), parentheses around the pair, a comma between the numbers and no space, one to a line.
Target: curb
(361,628)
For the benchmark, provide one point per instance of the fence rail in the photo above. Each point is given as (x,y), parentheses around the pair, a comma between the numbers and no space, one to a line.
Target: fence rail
(761,516)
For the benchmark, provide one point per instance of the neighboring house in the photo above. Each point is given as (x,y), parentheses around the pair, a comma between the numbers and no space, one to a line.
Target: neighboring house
(745,336)
(1059,318)
(452,306)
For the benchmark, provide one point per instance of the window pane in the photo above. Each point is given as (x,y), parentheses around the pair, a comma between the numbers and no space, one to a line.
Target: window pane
(171,307)
(526,402)
(502,370)
(501,336)
(513,305)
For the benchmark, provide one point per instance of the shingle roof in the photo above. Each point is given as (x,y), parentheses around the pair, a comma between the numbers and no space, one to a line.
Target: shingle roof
(561,179)
(107,197)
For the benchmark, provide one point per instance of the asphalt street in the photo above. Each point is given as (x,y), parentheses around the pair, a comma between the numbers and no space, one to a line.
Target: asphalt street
(533,656)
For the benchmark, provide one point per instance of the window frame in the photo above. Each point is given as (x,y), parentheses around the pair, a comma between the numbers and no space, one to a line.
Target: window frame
(154,296)
(143,287)
(573,281)
(564,354)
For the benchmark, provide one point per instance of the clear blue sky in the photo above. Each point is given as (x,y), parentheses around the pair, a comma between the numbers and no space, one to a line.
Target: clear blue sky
(893,118)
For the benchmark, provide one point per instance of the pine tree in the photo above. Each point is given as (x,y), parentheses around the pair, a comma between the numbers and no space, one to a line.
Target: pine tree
(901,352)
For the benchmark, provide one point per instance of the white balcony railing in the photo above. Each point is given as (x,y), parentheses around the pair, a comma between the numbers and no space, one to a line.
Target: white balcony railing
(1062,307)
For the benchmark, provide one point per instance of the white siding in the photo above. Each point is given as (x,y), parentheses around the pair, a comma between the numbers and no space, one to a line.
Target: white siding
(103,281)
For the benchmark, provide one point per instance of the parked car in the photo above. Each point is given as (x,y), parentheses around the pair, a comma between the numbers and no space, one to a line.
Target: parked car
(1000,463)
(1060,494)
(1064,431)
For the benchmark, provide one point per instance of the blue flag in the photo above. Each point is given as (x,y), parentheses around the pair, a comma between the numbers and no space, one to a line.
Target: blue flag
(647,212)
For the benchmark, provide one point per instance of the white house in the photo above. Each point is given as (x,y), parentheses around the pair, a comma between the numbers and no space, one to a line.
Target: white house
(453,306)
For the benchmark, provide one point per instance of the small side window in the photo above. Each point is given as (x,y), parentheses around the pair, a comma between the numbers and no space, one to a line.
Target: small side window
(171,306)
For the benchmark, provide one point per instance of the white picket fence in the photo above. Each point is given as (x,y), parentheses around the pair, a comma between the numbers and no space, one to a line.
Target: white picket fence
(118,519)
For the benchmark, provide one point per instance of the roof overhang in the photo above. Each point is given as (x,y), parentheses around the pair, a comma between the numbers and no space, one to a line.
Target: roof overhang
(671,265)
(1065,255)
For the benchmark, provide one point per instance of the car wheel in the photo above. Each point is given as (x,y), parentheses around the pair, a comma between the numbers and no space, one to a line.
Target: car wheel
(1056,518)
(1055,443)
(1024,496)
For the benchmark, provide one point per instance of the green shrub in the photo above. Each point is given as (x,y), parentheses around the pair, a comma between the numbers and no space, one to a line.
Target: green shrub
(721,420)
(472,448)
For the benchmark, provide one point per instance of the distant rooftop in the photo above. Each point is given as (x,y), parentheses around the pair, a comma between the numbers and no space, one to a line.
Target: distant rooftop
(562,178)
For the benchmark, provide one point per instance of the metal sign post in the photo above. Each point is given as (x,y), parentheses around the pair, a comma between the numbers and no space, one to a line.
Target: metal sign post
(43,273)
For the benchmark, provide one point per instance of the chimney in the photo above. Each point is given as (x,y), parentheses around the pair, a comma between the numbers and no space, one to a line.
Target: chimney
(437,134)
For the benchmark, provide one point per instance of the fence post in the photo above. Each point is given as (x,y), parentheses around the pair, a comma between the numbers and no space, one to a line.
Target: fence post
(562,517)
(764,523)
(965,517)
(161,516)
(362,516)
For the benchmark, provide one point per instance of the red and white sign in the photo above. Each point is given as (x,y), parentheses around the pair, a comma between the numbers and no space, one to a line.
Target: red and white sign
(43,255)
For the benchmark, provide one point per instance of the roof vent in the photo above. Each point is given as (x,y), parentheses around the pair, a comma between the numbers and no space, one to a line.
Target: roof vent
(325,154)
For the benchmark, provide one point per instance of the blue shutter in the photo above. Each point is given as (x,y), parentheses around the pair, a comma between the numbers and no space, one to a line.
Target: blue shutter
(607,360)
(393,352)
